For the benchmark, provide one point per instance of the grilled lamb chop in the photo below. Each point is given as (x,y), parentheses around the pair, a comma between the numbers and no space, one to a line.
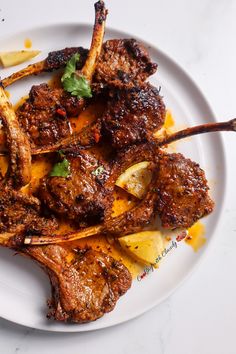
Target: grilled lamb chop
(54,61)
(81,196)
(86,284)
(123,62)
(133,115)
(44,115)
(182,192)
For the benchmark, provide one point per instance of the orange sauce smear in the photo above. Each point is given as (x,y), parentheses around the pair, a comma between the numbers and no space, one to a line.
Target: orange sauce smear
(196,236)
(168,126)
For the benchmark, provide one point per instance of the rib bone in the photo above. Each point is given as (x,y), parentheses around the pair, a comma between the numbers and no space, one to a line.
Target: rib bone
(19,147)
(85,137)
(199,129)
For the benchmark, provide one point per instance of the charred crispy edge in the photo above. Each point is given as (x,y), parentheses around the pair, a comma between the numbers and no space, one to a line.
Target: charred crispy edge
(55,60)
(97,39)
(59,58)
(199,129)
(19,147)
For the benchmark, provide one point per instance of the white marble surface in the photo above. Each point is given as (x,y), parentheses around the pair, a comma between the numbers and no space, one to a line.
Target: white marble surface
(200,317)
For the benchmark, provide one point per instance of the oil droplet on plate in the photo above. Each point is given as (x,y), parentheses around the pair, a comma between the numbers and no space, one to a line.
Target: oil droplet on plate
(196,236)
(28,43)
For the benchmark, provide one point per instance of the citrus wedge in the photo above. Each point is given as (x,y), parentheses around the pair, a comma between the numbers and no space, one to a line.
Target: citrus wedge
(8,59)
(136,179)
(145,246)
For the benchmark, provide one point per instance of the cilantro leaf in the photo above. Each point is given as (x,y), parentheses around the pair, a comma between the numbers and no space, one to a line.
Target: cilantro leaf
(77,86)
(61,169)
(74,84)
(70,67)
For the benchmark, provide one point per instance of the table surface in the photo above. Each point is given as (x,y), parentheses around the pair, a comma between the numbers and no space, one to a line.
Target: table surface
(200,316)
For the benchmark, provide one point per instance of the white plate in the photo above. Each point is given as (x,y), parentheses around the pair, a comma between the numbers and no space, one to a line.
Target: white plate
(23,286)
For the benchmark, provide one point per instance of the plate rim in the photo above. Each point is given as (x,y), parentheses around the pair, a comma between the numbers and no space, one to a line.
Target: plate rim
(73,328)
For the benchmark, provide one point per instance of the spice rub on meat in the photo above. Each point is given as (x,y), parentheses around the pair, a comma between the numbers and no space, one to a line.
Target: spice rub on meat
(86,283)
(123,62)
(133,115)
(82,196)
(22,214)
(59,58)
(44,115)
(182,192)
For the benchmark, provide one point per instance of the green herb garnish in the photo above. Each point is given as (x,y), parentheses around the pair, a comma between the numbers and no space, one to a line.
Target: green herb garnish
(61,169)
(76,85)
(98,171)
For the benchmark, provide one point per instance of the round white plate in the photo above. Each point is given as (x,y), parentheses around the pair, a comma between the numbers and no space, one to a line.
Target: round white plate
(24,287)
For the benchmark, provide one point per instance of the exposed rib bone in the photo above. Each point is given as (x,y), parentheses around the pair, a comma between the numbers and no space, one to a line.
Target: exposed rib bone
(199,129)
(19,147)
(42,240)
(97,39)
(32,69)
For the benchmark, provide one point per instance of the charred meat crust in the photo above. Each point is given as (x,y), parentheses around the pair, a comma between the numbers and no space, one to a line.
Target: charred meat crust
(22,214)
(44,115)
(123,62)
(133,115)
(182,192)
(59,58)
(86,284)
(82,196)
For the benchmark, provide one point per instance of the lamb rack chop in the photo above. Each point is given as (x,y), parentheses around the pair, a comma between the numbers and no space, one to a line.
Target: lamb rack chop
(82,196)
(54,61)
(132,115)
(85,283)
(44,115)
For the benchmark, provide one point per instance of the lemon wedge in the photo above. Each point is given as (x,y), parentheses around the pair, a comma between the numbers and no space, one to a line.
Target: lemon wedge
(145,246)
(135,179)
(17,57)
